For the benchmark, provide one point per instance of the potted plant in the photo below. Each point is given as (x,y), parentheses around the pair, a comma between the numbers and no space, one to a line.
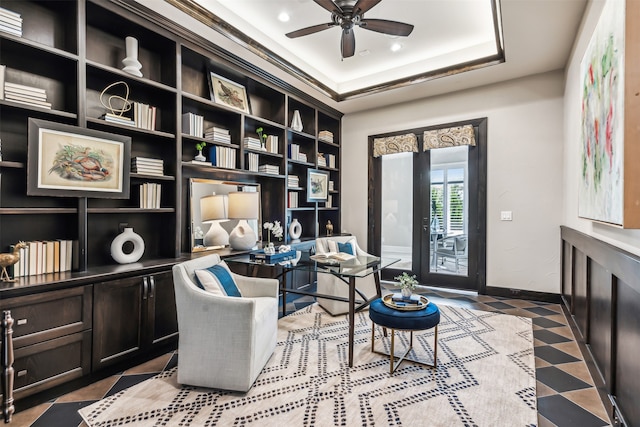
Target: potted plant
(272,228)
(263,137)
(200,146)
(407,284)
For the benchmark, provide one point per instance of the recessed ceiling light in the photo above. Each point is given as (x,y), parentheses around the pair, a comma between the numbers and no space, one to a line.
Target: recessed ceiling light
(283,17)
(396,47)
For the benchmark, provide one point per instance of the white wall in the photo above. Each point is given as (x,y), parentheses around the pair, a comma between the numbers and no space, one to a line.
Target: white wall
(628,240)
(525,148)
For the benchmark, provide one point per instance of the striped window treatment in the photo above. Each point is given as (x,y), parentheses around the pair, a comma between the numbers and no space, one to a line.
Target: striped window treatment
(448,137)
(395,144)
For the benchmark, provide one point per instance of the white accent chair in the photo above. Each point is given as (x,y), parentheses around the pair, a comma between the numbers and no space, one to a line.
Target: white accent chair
(451,247)
(329,284)
(224,342)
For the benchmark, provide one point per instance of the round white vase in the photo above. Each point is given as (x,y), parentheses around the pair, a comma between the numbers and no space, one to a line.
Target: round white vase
(295,229)
(117,246)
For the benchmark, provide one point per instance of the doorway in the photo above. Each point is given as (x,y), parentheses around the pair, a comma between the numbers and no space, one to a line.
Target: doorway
(430,210)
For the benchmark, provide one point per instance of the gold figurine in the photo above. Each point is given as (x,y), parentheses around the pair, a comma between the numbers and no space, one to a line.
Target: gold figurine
(7,260)
(329,228)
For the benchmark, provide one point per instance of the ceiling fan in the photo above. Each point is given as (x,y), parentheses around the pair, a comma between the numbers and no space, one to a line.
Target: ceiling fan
(347,14)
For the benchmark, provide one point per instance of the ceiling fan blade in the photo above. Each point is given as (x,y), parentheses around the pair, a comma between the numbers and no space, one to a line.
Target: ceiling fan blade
(348,43)
(387,27)
(364,5)
(329,5)
(310,30)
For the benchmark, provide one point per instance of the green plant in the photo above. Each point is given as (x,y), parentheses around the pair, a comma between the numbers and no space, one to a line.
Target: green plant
(406,281)
(262,135)
(200,145)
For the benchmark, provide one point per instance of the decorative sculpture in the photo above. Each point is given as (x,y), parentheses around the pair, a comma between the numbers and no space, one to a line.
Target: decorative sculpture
(131,63)
(329,228)
(9,259)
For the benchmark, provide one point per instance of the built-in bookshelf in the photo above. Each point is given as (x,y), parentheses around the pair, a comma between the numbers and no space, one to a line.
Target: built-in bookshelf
(172,110)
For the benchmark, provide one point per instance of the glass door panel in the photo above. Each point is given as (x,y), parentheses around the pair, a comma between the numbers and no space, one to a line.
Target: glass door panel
(449,211)
(397,209)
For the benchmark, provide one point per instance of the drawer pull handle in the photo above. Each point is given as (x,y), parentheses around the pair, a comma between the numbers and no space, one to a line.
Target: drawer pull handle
(22,373)
(22,322)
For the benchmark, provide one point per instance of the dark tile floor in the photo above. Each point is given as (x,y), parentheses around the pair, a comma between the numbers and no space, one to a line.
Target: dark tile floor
(566,393)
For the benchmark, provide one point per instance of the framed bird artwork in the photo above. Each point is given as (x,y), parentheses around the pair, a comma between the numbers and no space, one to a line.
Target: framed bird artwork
(69,161)
(228,93)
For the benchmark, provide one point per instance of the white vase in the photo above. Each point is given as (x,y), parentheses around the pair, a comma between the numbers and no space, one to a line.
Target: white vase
(295,229)
(406,292)
(131,64)
(296,122)
(117,245)
(200,157)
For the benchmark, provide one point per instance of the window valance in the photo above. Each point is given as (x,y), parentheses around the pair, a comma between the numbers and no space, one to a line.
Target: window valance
(395,144)
(449,137)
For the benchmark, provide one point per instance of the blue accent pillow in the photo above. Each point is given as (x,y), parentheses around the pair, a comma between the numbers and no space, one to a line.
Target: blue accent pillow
(217,277)
(346,248)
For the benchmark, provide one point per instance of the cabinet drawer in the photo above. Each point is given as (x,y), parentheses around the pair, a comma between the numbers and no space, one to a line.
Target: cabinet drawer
(49,315)
(41,366)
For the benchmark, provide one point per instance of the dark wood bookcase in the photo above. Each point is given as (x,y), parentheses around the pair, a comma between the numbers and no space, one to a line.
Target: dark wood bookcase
(74,50)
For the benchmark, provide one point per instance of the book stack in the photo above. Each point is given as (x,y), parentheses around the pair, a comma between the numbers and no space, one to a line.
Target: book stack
(28,95)
(294,151)
(293,181)
(217,134)
(292,199)
(252,143)
(272,169)
(322,161)
(329,202)
(223,157)
(120,120)
(331,160)
(40,257)
(144,116)
(193,124)
(150,193)
(260,256)
(413,299)
(325,136)
(272,144)
(331,184)
(10,22)
(253,161)
(147,166)
(302,157)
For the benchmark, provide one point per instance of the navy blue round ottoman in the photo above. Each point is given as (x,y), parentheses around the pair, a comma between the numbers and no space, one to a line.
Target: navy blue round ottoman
(413,320)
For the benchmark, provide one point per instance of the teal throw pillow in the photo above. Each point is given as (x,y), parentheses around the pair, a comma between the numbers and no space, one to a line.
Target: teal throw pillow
(216,279)
(346,248)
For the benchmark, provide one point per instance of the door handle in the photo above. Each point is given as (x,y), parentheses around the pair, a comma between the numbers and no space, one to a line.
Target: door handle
(145,287)
(152,286)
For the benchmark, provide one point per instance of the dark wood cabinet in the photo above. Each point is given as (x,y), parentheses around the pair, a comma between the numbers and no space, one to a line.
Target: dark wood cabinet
(51,338)
(131,316)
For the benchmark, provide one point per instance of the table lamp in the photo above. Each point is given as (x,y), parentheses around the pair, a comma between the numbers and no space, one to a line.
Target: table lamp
(212,210)
(243,206)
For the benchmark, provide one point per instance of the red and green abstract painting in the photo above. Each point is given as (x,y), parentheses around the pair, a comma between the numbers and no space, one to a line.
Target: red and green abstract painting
(602,143)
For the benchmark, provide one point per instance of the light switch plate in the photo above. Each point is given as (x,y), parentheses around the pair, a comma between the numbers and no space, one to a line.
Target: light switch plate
(506,216)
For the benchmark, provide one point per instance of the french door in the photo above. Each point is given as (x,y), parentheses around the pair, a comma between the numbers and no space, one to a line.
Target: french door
(429,212)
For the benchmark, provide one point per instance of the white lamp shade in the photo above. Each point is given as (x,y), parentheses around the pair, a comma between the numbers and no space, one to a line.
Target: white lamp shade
(213,207)
(243,205)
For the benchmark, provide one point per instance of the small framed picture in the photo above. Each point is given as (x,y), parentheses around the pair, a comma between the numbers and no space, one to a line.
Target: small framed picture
(69,161)
(317,185)
(226,92)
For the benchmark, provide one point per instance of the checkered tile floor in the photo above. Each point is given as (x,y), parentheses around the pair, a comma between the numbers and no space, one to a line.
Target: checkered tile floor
(566,393)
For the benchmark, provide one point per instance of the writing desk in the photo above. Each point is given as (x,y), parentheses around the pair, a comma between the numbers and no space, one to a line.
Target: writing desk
(347,271)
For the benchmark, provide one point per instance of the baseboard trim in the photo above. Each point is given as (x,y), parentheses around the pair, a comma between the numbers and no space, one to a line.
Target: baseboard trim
(522,294)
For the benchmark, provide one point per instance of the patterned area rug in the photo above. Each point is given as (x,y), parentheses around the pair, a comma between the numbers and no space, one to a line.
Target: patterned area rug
(485,377)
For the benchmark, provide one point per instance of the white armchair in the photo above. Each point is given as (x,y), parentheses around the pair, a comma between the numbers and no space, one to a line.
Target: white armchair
(224,342)
(329,284)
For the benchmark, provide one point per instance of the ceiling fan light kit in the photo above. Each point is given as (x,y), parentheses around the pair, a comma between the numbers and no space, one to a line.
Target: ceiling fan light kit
(346,14)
